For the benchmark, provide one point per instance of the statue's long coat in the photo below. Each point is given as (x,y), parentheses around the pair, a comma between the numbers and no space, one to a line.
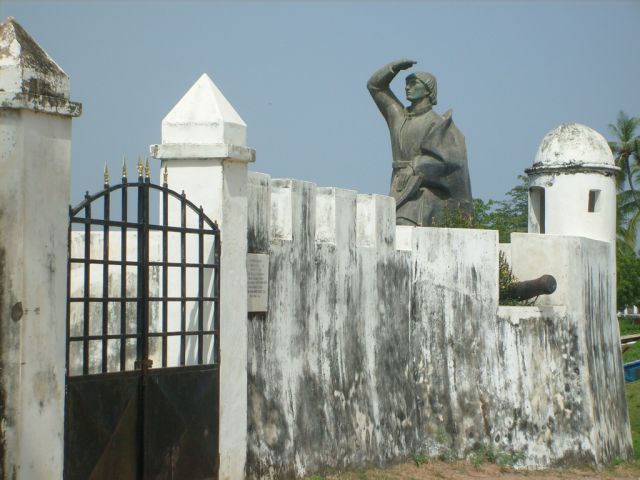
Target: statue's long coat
(428,138)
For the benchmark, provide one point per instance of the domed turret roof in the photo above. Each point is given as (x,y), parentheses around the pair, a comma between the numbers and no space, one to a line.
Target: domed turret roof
(574,146)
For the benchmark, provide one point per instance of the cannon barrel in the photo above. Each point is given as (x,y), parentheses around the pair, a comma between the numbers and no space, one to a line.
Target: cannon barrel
(544,285)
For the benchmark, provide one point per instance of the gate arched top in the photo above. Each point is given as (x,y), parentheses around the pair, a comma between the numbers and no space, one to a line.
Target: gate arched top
(185,258)
(146,183)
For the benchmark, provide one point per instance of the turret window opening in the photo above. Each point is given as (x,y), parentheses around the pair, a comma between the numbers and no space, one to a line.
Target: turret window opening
(536,200)
(594,201)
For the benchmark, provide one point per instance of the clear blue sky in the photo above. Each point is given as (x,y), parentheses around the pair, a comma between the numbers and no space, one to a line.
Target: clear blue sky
(296,73)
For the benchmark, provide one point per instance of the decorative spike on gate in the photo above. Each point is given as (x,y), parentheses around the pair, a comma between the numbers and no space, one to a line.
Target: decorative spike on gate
(147,169)
(140,167)
(124,168)
(106,174)
(165,175)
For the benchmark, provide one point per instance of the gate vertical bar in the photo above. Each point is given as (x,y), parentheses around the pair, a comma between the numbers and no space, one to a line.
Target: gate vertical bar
(165,269)
(146,363)
(123,272)
(200,286)
(216,339)
(144,255)
(87,286)
(216,318)
(68,325)
(105,273)
(183,280)
(140,303)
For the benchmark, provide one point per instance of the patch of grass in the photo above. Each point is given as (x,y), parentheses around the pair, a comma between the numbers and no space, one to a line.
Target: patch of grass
(628,326)
(498,457)
(490,454)
(633,404)
(632,354)
(477,459)
(617,461)
(444,439)
(509,459)
(419,459)
(448,456)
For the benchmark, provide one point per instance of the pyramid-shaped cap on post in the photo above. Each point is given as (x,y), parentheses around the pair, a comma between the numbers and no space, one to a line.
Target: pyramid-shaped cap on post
(204,116)
(25,68)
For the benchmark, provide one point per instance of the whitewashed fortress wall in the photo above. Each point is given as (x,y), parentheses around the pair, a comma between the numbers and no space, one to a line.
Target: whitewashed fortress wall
(380,341)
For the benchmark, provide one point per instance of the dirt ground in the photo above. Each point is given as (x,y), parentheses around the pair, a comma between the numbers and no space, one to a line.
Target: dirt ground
(464,470)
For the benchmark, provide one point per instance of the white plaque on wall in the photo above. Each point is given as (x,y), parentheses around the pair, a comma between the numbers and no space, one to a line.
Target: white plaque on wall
(257,282)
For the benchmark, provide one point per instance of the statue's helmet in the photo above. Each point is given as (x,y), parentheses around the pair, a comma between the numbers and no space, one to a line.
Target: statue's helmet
(430,83)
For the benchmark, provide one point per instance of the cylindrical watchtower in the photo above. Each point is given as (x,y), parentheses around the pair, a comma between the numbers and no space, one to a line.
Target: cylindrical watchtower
(572,187)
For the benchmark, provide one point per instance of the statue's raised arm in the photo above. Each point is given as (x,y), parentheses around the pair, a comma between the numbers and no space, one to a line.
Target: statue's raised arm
(430,173)
(378,86)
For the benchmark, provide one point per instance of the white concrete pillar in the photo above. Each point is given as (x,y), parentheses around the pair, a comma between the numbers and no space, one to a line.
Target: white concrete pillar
(204,150)
(35,155)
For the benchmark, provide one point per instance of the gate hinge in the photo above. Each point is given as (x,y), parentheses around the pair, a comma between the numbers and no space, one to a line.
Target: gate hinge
(140,364)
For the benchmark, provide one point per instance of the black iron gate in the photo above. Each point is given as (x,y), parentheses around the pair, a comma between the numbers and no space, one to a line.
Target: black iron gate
(142,385)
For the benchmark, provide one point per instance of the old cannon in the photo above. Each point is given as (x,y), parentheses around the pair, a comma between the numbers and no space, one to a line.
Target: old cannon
(544,285)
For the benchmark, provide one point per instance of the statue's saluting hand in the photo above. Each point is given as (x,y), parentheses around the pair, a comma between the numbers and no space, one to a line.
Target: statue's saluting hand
(403,64)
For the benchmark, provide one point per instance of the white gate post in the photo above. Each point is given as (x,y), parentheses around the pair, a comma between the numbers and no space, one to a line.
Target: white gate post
(204,150)
(35,156)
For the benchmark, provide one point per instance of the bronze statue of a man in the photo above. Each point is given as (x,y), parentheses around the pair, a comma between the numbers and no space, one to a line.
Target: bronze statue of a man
(430,173)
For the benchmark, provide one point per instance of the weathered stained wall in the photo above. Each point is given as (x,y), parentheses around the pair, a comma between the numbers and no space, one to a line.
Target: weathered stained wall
(584,276)
(381,342)
(34,197)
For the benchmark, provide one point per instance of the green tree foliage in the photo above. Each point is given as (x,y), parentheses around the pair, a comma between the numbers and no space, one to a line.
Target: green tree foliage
(625,147)
(455,219)
(506,216)
(628,264)
(626,150)
(628,215)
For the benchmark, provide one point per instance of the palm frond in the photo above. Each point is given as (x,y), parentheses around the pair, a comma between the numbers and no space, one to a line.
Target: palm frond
(631,230)
(625,127)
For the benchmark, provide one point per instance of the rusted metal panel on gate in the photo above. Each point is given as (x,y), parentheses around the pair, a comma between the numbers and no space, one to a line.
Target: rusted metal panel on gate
(180,438)
(102,421)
